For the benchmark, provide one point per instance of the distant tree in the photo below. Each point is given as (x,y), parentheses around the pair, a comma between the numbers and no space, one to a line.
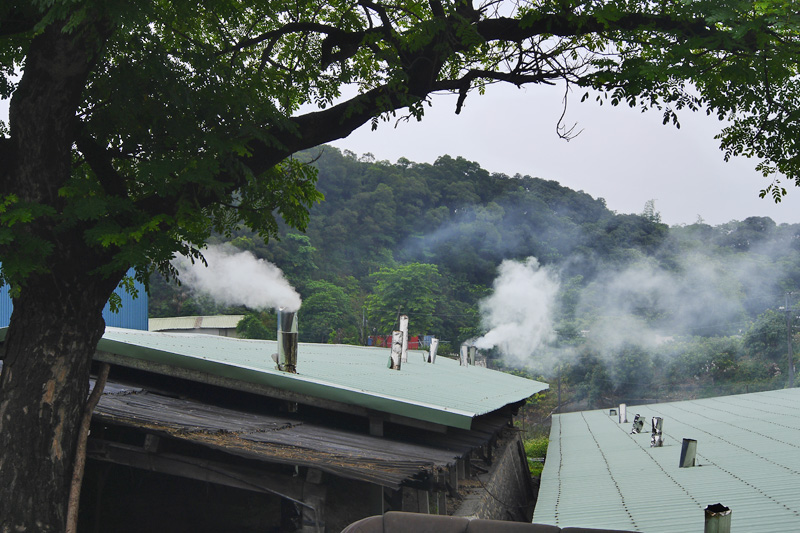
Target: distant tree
(650,212)
(766,338)
(412,290)
(258,325)
(327,314)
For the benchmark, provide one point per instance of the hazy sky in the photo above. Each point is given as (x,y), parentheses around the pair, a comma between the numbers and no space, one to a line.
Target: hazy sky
(622,155)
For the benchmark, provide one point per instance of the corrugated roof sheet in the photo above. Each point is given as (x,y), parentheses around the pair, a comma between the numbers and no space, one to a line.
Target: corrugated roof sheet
(194,322)
(748,447)
(443,393)
(276,439)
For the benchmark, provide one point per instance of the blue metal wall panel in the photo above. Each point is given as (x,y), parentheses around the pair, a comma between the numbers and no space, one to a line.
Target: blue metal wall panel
(5,306)
(133,314)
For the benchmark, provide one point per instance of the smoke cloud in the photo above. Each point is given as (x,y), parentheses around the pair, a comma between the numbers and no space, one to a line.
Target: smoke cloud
(235,277)
(519,314)
(643,305)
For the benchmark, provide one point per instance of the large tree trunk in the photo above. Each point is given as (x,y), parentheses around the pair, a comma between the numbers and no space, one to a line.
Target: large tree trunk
(43,390)
(57,319)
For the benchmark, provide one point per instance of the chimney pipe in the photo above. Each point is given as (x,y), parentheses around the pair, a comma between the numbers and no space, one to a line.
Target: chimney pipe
(656,437)
(404,329)
(718,519)
(463,355)
(623,413)
(473,351)
(432,350)
(638,424)
(396,358)
(688,453)
(287,341)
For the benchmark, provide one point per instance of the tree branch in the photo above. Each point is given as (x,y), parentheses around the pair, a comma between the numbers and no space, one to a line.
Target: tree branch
(508,29)
(80,451)
(101,163)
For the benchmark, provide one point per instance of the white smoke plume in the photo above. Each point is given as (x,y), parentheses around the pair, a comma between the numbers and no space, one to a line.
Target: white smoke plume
(235,277)
(519,314)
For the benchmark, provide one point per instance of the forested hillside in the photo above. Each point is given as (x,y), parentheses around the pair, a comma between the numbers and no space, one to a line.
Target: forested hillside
(623,306)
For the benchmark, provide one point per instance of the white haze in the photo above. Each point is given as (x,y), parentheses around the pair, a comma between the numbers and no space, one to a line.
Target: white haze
(519,314)
(642,305)
(235,277)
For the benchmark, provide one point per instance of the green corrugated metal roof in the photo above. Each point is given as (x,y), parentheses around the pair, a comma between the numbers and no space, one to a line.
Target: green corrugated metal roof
(194,322)
(443,393)
(748,447)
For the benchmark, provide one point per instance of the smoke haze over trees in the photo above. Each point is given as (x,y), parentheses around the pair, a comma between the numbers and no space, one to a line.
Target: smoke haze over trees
(546,278)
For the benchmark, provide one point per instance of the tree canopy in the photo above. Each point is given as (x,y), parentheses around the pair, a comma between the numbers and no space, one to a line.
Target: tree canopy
(136,128)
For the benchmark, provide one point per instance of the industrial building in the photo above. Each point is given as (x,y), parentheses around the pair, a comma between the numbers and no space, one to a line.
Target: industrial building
(199,432)
(132,313)
(602,473)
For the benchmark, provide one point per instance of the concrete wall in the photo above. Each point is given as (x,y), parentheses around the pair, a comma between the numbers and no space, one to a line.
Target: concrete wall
(506,491)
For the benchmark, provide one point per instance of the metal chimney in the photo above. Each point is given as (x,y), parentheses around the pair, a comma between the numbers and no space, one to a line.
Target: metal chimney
(473,351)
(688,453)
(638,424)
(404,329)
(718,519)
(656,437)
(623,413)
(432,350)
(287,341)
(396,357)
(463,356)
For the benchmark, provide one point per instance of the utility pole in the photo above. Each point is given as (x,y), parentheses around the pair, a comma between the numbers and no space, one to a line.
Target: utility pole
(789,341)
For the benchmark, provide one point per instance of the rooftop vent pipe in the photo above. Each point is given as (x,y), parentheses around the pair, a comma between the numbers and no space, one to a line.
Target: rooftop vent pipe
(287,341)
(396,356)
(638,424)
(463,355)
(688,453)
(623,413)
(656,437)
(612,412)
(404,329)
(473,351)
(432,350)
(718,519)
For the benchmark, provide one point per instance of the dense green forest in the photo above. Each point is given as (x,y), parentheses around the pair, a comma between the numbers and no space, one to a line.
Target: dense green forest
(636,310)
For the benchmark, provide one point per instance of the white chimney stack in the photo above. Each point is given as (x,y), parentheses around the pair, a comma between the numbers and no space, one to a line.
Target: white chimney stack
(397,350)
(404,330)
(434,347)
(463,356)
